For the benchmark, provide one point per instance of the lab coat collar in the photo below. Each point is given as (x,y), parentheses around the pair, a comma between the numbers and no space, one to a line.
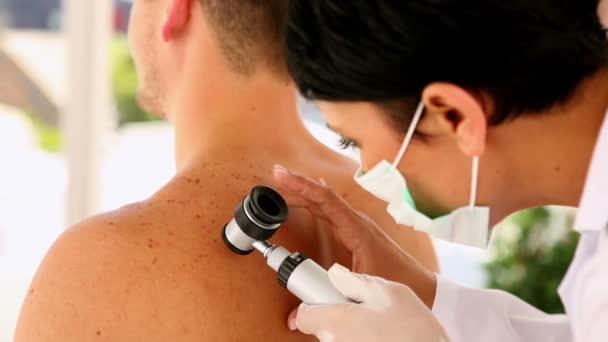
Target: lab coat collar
(593,209)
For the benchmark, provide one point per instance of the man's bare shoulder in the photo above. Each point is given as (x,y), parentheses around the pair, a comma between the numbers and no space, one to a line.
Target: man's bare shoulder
(154,271)
(115,277)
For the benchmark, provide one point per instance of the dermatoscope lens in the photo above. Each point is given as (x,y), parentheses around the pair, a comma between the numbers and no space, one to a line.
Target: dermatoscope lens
(256,218)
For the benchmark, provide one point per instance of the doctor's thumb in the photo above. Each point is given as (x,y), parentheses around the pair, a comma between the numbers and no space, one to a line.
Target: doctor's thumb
(291,319)
(352,285)
(310,319)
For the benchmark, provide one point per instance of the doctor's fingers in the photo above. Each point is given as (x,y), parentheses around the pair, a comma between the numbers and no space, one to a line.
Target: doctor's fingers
(320,194)
(296,200)
(358,287)
(349,226)
(318,320)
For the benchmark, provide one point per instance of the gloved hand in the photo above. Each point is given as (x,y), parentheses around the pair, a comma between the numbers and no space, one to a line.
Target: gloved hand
(387,312)
(373,251)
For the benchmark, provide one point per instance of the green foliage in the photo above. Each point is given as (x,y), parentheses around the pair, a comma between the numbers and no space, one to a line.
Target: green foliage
(530,265)
(124,83)
(49,138)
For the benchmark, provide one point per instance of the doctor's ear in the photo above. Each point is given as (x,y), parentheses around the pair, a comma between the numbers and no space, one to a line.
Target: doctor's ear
(451,110)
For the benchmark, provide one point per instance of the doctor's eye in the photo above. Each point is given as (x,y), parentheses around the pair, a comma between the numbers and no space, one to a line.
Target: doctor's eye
(345,143)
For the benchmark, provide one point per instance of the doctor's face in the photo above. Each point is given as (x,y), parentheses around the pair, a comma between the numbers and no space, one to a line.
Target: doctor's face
(437,172)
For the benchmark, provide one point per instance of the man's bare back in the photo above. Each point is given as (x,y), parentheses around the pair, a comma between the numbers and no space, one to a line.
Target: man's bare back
(158,270)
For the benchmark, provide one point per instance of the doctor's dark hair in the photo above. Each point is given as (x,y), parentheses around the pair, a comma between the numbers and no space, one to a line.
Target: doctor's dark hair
(528,55)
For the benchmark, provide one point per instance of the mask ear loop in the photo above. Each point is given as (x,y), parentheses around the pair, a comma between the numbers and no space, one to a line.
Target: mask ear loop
(474,180)
(410,134)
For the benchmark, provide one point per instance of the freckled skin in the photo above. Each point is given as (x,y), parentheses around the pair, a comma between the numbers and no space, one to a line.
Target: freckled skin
(158,270)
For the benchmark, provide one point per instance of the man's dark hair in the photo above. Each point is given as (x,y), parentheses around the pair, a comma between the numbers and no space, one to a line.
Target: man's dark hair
(528,55)
(249,32)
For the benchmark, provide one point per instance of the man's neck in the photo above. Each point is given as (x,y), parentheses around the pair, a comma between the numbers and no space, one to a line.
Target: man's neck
(236,113)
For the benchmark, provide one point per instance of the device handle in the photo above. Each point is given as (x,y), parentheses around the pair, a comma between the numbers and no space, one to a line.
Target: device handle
(308,281)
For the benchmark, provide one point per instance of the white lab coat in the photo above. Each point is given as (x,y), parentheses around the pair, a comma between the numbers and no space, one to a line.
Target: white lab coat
(488,315)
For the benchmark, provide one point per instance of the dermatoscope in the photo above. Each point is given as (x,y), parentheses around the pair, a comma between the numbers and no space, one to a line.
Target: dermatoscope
(256,219)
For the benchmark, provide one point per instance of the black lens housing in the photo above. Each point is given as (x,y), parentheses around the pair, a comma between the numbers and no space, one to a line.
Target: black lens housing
(268,206)
(259,216)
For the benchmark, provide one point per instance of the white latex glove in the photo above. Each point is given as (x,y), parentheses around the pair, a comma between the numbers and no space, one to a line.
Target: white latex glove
(388,312)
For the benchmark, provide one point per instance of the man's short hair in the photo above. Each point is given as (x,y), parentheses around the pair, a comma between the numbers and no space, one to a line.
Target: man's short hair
(249,32)
(528,55)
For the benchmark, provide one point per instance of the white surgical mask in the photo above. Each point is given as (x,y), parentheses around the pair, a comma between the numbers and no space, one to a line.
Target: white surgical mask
(468,225)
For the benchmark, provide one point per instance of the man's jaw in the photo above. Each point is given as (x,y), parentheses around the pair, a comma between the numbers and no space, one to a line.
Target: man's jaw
(151,104)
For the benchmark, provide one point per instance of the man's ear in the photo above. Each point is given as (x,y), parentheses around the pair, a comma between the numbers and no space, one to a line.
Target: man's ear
(176,18)
(453,111)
